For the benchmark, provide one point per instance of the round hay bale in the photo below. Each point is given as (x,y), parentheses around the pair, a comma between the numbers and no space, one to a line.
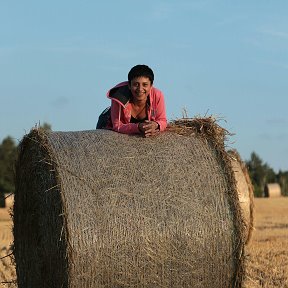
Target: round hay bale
(9,199)
(272,190)
(103,209)
(245,192)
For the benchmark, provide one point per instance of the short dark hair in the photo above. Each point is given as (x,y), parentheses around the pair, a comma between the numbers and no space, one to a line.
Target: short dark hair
(141,71)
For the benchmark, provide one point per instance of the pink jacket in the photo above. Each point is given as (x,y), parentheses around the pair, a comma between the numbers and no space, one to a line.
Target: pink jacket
(121,109)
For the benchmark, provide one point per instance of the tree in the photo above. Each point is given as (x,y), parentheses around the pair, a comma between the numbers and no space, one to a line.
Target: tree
(260,174)
(8,155)
(2,200)
(282,179)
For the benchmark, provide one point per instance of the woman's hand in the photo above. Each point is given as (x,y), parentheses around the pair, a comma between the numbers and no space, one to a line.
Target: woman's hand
(149,128)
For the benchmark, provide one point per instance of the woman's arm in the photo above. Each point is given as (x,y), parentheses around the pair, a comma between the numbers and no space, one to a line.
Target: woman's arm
(119,122)
(160,111)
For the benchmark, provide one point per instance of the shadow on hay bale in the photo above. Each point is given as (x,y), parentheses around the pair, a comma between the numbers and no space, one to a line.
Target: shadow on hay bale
(102,209)
(245,192)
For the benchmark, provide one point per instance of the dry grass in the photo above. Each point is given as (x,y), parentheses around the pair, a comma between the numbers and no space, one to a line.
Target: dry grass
(267,253)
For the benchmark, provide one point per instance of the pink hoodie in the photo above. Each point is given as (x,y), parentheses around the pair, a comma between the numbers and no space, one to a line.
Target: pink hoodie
(121,111)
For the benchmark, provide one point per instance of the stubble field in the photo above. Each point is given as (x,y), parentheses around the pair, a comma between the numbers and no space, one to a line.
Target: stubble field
(7,270)
(267,252)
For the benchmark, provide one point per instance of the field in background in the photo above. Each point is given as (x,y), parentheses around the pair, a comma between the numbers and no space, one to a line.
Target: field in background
(267,253)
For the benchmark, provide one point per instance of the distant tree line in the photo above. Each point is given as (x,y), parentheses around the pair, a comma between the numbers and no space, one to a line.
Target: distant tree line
(8,157)
(260,173)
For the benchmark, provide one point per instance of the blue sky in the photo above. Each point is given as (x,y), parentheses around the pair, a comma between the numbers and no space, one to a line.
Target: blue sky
(212,57)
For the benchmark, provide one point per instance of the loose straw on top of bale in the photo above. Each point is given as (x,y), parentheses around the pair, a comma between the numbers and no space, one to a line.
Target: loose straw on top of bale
(103,209)
(206,127)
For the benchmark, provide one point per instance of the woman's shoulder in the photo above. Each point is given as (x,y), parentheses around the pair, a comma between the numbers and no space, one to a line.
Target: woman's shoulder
(156,92)
(124,83)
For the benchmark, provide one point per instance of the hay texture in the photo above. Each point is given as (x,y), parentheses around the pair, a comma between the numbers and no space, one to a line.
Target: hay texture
(103,209)
(272,190)
(245,192)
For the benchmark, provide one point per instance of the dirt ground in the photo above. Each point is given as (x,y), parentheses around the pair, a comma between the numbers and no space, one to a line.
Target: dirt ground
(266,254)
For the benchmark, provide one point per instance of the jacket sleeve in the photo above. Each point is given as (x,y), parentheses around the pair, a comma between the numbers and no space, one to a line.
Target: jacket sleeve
(118,122)
(160,111)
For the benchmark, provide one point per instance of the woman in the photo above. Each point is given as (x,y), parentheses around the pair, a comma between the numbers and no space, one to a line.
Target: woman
(136,106)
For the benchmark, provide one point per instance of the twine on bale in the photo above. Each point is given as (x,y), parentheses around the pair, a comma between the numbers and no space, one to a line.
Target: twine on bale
(103,209)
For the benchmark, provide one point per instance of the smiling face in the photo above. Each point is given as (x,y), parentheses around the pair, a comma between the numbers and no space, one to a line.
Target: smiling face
(140,88)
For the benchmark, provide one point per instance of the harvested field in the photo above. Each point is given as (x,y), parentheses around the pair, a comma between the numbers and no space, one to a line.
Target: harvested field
(7,269)
(267,253)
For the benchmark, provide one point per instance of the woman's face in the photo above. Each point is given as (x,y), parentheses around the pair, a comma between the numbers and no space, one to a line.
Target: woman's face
(140,88)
